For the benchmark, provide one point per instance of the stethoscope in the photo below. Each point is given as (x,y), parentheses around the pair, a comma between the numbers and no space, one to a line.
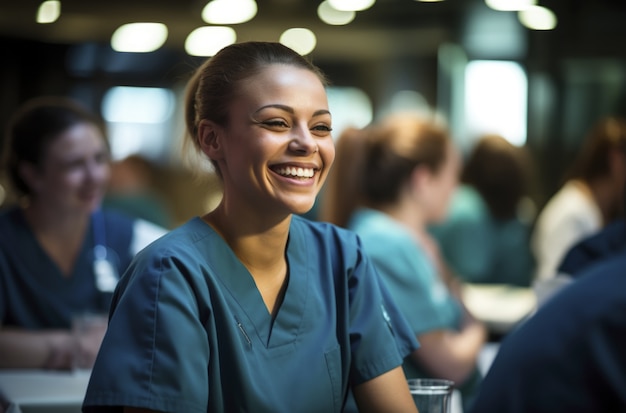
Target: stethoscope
(105,273)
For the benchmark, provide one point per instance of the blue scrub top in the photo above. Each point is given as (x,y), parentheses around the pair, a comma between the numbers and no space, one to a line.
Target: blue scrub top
(189,331)
(610,241)
(570,357)
(34,294)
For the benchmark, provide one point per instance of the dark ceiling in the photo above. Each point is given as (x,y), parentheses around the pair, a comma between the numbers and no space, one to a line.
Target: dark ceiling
(389,27)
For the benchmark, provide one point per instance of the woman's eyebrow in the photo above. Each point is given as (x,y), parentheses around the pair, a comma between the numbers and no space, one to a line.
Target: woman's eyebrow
(289,109)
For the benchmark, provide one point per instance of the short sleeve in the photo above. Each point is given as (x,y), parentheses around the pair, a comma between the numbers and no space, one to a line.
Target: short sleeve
(155,353)
(415,287)
(380,335)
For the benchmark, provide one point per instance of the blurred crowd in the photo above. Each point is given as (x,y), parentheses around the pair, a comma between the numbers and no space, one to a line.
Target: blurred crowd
(434,220)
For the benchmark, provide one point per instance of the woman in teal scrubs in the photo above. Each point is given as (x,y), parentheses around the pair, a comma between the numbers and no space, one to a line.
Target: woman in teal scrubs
(250,307)
(392,179)
(60,253)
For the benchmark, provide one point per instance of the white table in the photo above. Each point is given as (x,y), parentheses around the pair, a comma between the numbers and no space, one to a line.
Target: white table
(43,391)
(501,307)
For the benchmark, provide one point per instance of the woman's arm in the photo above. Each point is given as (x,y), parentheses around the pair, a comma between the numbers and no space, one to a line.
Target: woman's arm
(387,393)
(451,354)
(24,349)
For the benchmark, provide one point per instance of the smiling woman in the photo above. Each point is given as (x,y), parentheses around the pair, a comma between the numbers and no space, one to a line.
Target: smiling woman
(60,253)
(240,304)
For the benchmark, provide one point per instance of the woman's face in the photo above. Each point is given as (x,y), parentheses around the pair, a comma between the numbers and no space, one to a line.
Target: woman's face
(74,171)
(442,184)
(277,148)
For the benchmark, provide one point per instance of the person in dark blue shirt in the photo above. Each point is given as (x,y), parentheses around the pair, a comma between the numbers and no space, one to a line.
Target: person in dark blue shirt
(609,241)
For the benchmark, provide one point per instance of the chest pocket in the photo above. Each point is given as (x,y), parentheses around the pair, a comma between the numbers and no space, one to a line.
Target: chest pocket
(333,364)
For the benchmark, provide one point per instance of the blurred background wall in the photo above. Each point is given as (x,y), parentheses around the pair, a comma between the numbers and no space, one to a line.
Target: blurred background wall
(479,68)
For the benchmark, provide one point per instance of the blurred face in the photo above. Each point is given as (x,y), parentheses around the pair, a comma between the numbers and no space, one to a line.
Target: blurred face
(74,171)
(277,149)
(441,186)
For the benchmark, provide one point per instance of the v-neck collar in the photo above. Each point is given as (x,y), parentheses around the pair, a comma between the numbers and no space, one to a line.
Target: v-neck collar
(34,255)
(285,326)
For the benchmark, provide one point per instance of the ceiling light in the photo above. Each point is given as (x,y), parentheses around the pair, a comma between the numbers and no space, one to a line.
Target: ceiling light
(510,5)
(351,5)
(207,41)
(329,15)
(49,11)
(229,11)
(139,37)
(301,40)
(537,18)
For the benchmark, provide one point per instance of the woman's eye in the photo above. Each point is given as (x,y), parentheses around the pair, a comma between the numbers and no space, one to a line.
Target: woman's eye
(322,128)
(276,123)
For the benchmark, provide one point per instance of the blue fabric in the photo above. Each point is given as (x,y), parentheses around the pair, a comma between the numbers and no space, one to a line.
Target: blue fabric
(609,241)
(189,331)
(481,249)
(413,282)
(571,355)
(34,294)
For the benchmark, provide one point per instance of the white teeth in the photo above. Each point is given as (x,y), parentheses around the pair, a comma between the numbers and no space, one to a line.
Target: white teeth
(298,172)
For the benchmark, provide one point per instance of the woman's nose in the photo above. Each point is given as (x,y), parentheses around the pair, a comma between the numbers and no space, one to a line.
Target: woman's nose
(303,142)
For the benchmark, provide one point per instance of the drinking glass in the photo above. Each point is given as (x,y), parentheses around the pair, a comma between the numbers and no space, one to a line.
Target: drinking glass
(431,395)
(88,330)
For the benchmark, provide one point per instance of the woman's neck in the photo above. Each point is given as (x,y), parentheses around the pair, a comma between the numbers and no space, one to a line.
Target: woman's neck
(261,247)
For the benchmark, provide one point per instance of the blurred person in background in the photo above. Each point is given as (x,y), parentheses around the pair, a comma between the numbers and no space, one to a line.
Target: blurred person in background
(391,181)
(486,236)
(132,190)
(569,356)
(590,199)
(60,253)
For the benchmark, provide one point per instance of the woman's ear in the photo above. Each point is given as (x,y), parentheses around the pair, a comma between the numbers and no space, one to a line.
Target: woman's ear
(30,175)
(420,177)
(209,139)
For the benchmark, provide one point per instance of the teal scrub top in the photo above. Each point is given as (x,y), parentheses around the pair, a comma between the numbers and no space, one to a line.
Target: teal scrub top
(34,293)
(413,282)
(189,331)
(481,249)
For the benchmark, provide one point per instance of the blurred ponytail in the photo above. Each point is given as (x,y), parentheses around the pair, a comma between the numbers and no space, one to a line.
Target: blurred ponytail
(343,189)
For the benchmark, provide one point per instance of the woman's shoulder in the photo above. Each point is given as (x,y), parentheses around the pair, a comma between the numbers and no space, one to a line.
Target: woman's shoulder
(377,226)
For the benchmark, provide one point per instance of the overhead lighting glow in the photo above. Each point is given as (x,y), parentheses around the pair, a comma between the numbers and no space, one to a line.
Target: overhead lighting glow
(329,15)
(207,41)
(351,5)
(229,11)
(299,39)
(49,11)
(510,5)
(495,99)
(537,18)
(139,37)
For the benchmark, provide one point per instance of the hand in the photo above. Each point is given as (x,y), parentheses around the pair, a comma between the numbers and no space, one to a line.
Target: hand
(61,349)
(88,335)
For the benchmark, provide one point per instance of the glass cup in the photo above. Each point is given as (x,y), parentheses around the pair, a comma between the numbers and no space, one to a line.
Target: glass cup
(431,395)
(88,331)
